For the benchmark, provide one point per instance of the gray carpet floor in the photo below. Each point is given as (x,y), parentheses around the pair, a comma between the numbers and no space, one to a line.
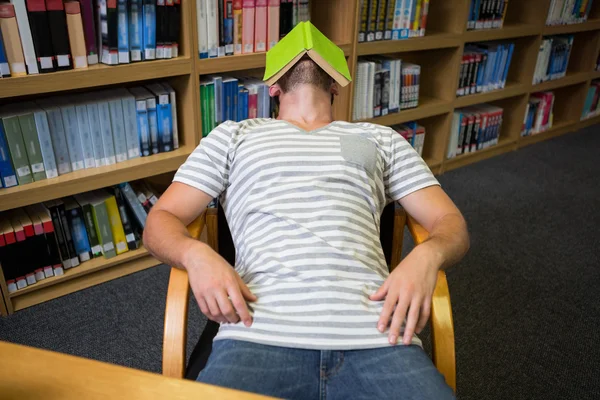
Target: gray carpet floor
(525,298)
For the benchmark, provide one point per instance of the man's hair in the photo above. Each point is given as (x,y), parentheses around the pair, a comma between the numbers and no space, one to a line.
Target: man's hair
(305,72)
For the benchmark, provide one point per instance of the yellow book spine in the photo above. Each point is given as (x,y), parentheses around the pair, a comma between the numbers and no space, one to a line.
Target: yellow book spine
(417,20)
(116,226)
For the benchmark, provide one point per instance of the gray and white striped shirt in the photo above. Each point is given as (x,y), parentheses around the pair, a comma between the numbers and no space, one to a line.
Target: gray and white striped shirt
(304,211)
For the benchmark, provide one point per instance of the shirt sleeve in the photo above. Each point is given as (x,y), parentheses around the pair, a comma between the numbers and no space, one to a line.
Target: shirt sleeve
(207,168)
(405,171)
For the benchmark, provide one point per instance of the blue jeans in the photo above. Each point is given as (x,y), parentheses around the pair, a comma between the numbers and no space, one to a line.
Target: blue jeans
(404,372)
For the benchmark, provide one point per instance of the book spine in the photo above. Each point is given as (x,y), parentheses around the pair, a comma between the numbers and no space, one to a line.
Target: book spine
(303,10)
(286,11)
(174,124)
(175,28)
(212,27)
(132,201)
(109,21)
(12,40)
(57,23)
(60,236)
(40,32)
(161,26)
(118,129)
(103,229)
(25,34)
(76,36)
(166,28)
(142,126)
(424,15)
(4,67)
(59,141)
(93,116)
(79,233)
(32,146)
(45,141)
(202,31)
(380,20)
(149,34)
(385,92)
(136,30)
(416,18)
(153,124)
(220,29)
(295,13)
(18,153)
(371,20)
(248,13)
(389,19)
(165,124)
(127,228)
(82,129)
(116,225)
(131,129)
(51,246)
(89,31)
(273,23)
(8,176)
(94,241)
(106,131)
(238,26)
(123,32)
(228,23)
(68,234)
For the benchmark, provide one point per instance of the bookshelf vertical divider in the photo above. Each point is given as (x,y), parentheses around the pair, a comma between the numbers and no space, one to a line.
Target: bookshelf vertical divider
(439,52)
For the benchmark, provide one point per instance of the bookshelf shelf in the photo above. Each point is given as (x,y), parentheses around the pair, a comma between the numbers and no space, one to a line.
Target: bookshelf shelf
(557,130)
(512,89)
(505,145)
(90,179)
(590,25)
(570,79)
(595,75)
(433,40)
(428,107)
(509,31)
(93,76)
(584,123)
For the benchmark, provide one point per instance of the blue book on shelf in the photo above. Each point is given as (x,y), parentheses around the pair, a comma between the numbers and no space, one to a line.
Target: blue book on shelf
(165,126)
(7,172)
(136,31)
(4,68)
(219,99)
(235,100)
(153,125)
(406,11)
(149,19)
(588,102)
(123,29)
(511,49)
(227,103)
(79,234)
(245,97)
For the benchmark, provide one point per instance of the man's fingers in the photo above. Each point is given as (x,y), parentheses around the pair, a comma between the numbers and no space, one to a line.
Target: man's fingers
(424,315)
(386,312)
(213,309)
(203,306)
(248,295)
(398,319)
(240,305)
(380,293)
(226,308)
(411,320)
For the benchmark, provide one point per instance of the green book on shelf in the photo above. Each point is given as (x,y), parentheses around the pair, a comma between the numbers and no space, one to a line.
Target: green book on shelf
(16,146)
(210,87)
(203,111)
(32,146)
(102,224)
(88,219)
(306,39)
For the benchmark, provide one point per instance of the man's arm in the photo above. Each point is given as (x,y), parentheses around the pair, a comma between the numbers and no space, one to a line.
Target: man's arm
(409,288)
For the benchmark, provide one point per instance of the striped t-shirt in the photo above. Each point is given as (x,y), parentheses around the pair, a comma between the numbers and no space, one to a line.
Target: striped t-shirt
(304,211)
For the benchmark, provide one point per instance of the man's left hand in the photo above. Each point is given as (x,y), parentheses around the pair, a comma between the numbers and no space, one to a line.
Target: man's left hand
(409,288)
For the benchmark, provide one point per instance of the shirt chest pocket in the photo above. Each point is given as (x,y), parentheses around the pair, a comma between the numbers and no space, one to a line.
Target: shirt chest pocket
(359,151)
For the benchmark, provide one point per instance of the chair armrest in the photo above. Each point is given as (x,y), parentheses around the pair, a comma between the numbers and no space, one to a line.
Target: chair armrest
(442,325)
(176,314)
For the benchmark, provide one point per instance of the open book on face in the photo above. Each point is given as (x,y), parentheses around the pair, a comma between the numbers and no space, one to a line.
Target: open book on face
(306,39)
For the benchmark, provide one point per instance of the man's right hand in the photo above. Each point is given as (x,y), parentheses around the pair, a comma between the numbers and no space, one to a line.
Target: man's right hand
(219,290)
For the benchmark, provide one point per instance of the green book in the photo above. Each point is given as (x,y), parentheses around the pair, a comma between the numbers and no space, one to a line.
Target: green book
(210,87)
(306,39)
(102,225)
(16,146)
(32,146)
(90,226)
(203,103)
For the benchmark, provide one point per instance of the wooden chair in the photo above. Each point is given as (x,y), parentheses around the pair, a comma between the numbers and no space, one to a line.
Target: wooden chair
(174,342)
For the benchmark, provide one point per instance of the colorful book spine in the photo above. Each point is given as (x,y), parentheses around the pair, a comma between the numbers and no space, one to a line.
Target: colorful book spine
(149,35)
(4,68)
(136,207)
(248,16)
(136,30)
(123,31)
(174,124)
(102,225)
(88,219)
(212,28)
(45,141)
(12,40)
(57,21)
(260,25)
(40,32)
(143,127)
(273,24)
(130,237)
(228,27)
(76,35)
(110,31)
(238,26)
(16,145)
(89,31)
(8,176)
(78,230)
(67,232)
(116,225)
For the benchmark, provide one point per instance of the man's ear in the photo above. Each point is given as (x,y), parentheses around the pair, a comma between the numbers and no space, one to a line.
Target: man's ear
(274,90)
(334,89)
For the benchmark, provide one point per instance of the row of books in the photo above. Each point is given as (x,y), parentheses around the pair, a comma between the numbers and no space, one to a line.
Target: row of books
(590,107)
(538,113)
(224,98)
(413,133)
(55,136)
(40,36)
(563,12)
(474,128)
(484,67)
(553,58)
(228,27)
(486,14)
(384,86)
(42,240)
(392,19)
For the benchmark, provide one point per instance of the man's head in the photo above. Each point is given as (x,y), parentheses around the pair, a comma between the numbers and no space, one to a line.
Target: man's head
(304,72)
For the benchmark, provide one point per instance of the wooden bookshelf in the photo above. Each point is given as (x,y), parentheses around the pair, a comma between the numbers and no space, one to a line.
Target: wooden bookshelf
(439,53)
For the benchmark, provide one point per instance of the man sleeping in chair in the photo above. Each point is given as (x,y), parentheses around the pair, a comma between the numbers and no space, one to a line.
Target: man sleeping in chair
(310,309)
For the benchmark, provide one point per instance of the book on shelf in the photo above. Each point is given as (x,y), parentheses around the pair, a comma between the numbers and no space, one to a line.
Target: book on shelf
(385,85)
(76,34)
(410,18)
(4,68)
(22,18)
(486,14)
(43,240)
(565,12)
(57,135)
(474,128)
(484,67)
(590,108)
(553,58)
(245,26)
(57,21)
(414,134)
(539,113)
(12,40)
(40,32)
